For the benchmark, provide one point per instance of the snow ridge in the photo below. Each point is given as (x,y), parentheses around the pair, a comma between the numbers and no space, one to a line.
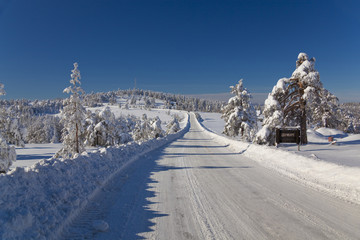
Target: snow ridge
(337,180)
(38,202)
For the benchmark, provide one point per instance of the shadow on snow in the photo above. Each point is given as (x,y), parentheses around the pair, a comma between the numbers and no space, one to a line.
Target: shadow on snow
(133,215)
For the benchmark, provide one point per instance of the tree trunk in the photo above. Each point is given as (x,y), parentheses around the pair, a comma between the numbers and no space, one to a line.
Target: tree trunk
(77,138)
(303,128)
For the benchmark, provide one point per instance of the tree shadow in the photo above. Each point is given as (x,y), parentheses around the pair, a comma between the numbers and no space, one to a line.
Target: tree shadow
(194,146)
(352,142)
(136,217)
(25,157)
(195,139)
(37,147)
(130,214)
(200,154)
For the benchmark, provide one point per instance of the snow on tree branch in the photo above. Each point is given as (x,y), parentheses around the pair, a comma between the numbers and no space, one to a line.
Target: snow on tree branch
(73,118)
(239,114)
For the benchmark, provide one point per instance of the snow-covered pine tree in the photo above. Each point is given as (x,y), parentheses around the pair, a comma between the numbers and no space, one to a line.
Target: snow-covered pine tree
(239,114)
(73,117)
(7,153)
(297,100)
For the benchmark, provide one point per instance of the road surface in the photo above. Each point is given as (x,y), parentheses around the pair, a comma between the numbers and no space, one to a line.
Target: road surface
(195,188)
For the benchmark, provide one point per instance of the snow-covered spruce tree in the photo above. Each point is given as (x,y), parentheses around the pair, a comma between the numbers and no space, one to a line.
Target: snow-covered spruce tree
(73,118)
(7,153)
(239,114)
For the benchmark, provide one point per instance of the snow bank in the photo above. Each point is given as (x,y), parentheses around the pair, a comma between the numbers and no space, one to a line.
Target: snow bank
(331,132)
(37,202)
(340,181)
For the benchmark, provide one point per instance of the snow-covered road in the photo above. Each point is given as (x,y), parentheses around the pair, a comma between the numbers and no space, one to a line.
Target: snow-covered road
(195,188)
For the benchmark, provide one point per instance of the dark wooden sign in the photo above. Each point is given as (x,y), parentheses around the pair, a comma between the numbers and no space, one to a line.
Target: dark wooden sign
(284,135)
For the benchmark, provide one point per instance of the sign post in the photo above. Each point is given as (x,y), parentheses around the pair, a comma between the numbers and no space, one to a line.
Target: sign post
(286,135)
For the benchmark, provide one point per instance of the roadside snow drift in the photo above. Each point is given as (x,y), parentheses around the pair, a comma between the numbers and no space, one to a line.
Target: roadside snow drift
(340,181)
(37,202)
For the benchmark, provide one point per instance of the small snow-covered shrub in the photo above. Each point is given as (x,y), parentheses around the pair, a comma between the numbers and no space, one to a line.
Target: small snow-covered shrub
(173,126)
(156,130)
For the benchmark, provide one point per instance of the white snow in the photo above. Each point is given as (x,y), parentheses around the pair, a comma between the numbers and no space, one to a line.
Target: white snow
(32,153)
(332,168)
(165,115)
(38,201)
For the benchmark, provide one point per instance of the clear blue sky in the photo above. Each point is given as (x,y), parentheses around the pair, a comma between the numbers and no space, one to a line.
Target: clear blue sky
(187,47)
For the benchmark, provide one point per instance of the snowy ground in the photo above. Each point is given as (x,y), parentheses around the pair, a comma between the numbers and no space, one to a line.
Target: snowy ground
(38,201)
(345,152)
(196,188)
(317,165)
(32,153)
(202,186)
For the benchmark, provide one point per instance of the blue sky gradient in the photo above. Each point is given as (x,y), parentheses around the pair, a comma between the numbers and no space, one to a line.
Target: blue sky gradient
(186,47)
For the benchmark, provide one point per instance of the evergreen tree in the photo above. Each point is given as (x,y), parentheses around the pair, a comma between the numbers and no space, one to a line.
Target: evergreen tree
(325,112)
(273,114)
(239,114)
(73,117)
(7,153)
(296,101)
